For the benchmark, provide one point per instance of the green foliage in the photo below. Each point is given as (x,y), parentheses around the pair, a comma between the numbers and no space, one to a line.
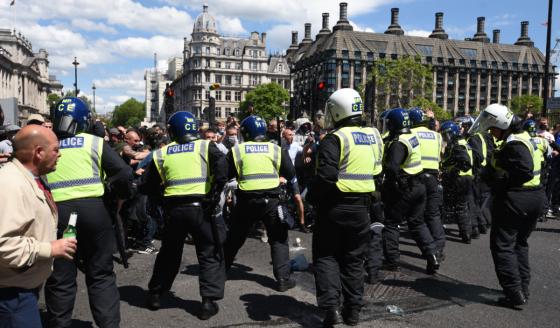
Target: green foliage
(129,113)
(52,100)
(268,101)
(521,104)
(427,105)
(408,73)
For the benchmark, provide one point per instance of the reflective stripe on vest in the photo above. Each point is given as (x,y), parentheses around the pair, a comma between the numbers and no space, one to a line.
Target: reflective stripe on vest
(378,148)
(257,165)
(540,144)
(430,147)
(463,143)
(525,138)
(357,159)
(78,171)
(484,148)
(183,168)
(413,163)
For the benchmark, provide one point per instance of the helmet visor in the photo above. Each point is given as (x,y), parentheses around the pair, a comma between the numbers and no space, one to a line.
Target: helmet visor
(329,121)
(483,122)
(65,125)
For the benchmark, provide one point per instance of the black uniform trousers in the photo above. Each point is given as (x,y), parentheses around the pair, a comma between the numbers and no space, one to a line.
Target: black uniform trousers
(514,217)
(340,242)
(481,211)
(183,219)
(407,204)
(432,213)
(374,258)
(96,242)
(248,211)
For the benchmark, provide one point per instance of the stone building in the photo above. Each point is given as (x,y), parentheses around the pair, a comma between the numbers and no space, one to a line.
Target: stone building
(468,74)
(156,81)
(24,77)
(238,64)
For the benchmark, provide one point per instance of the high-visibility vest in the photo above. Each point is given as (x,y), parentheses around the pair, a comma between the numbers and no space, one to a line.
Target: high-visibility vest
(484,147)
(525,138)
(378,148)
(430,147)
(413,163)
(78,171)
(541,145)
(257,165)
(357,164)
(183,168)
(463,143)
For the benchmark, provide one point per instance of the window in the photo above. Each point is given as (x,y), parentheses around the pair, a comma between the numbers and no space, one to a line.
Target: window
(207,79)
(218,95)
(228,95)
(237,80)
(253,80)
(207,50)
(218,50)
(228,80)
(228,65)
(207,63)
(218,64)
(197,50)
(196,78)
(196,63)
(425,49)
(228,52)
(219,112)
(228,110)
(237,52)
(207,95)
(237,95)
(280,67)
(254,66)
(238,66)
(218,78)
(255,53)
(197,95)
(468,53)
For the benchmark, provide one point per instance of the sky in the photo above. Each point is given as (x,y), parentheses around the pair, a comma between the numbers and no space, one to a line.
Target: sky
(115,40)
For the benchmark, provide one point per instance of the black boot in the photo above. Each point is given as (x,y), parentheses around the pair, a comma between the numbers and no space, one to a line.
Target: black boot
(285,284)
(208,310)
(153,302)
(433,264)
(440,256)
(351,317)
(475,233)
(373,278)
(332,317)
(513,300)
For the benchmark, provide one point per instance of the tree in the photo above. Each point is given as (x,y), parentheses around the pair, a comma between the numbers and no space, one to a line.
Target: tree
(400,81)
(426,104)
(520,105)
(52,100)
(129,113)
(268,101)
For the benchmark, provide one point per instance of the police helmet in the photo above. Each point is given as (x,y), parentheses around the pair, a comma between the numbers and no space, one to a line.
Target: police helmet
(183,127)
(253,128)
(71,116)
(450,130)
(342,104)
(398,121)
(531,127)
(494,116)
(381,121)
(417,116)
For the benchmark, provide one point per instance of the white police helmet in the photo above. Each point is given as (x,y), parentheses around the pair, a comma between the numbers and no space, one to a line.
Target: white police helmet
(342,104)
(494,116)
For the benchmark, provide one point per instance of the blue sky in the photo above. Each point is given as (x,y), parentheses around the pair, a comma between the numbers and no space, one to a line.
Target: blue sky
(115,40)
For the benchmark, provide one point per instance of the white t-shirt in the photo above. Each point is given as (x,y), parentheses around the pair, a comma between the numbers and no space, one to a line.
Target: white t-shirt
(293,150)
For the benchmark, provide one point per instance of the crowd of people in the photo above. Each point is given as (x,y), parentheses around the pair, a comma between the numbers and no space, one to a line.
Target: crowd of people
(353,185)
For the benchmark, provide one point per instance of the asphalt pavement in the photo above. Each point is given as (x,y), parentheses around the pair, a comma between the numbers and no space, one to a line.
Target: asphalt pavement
(462,294)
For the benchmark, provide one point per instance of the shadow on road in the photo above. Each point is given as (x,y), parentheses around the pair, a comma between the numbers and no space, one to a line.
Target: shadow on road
(242,272)
(547,230)
(264,308)
(136,296)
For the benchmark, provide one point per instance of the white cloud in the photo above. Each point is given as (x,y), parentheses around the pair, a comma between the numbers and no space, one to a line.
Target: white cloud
(230,25)
(422,33)
(137,47)
(89,25)
(361,28)
(133,83)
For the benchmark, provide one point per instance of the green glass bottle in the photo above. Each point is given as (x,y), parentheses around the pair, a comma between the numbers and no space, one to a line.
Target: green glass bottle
(70,231)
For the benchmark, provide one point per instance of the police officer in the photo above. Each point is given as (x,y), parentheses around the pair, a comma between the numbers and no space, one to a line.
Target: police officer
(457,177)
(482,145)
(193,173)
(341,192)
(404,194)
(374,260)
(518,200)
(77,185)
(258,165)
(543,150)
(430,148)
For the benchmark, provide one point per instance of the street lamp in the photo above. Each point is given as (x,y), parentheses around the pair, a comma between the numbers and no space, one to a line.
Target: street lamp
(93,88)
(75,63)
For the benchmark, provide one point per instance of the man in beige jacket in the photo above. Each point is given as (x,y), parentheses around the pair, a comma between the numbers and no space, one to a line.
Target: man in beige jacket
(28,220)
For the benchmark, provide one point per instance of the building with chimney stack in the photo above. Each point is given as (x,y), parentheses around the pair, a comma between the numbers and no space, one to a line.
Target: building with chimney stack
(25,82)
(468,75)
(238,64)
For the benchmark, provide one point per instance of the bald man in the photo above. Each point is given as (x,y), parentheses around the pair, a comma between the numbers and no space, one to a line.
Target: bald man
(28,223)
(130,152)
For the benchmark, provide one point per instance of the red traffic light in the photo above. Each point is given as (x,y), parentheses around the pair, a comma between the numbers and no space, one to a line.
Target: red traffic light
(170,92)
(321,85)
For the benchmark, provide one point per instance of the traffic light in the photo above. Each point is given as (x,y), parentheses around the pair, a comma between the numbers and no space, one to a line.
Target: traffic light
(214,86)
(321,86)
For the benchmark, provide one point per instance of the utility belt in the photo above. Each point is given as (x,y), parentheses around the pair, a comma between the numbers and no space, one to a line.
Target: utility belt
(364,200)
(194,201)
(241,195)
